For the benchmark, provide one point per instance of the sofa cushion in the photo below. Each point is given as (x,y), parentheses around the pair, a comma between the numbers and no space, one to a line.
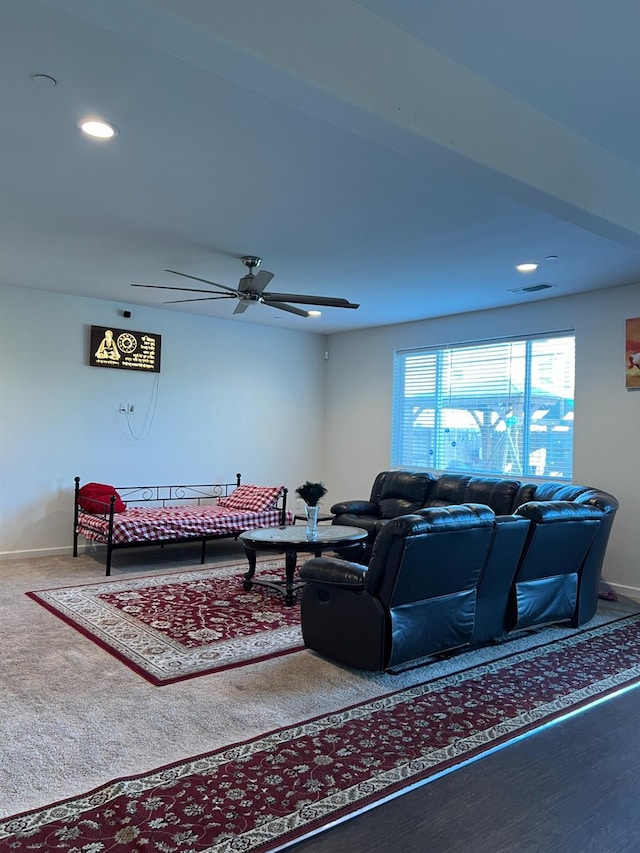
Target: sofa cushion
(402,492)
(557,492)
(495,493)
(524,494)
(448,489)
(393,507)
(252,498)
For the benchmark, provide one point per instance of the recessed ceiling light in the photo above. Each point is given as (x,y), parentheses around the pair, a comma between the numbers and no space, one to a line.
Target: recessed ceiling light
(98,129)
(526,267)
(314,313)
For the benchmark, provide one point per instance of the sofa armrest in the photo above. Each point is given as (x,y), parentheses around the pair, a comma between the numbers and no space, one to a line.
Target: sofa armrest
(334,572)
(355,508)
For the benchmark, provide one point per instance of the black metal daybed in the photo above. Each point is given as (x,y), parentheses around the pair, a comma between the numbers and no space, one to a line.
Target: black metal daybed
(135,516)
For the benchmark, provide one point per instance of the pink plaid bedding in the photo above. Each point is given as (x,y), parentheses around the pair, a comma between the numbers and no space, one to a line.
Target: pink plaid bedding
(153,524)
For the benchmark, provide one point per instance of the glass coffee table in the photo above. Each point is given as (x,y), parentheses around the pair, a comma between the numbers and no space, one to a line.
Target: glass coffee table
(293,540)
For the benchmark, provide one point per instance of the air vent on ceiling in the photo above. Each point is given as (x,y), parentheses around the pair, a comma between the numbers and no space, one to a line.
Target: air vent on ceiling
(532,288)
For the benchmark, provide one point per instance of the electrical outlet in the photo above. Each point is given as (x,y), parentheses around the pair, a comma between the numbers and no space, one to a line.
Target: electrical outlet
(131,408)
(122,408)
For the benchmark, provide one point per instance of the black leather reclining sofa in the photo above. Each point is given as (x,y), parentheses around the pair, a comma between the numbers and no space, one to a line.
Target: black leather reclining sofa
(455,561)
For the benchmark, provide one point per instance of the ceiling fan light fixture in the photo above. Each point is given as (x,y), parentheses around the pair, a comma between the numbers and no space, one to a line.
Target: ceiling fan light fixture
(527,267)
(98,129)
(314,313)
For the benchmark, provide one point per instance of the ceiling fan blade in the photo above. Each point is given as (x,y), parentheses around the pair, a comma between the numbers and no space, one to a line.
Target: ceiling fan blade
(290,308)
(261,280)
(330,301)
(255,283)
(203,280)
(200,298)
(242,306)
(186,289)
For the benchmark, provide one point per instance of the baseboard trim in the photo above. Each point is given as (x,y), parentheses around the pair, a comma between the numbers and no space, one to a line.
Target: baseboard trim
(623,589)
(61,551)
(24,554)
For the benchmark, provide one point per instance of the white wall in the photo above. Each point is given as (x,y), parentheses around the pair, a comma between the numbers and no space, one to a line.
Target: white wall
(240,397)
(607,416)
(232,396)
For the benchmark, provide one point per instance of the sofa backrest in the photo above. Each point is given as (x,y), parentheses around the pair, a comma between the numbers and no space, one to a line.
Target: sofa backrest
(428,553)
(495,493)
(447,490)
(504,496)
(499,494)
(525,493)
(551,491)
(400,492)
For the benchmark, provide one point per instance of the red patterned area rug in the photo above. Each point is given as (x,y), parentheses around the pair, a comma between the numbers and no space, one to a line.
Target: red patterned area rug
(176,626)
(269,792)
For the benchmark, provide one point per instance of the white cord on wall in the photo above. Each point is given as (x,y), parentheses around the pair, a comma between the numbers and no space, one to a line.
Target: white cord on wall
(151,416)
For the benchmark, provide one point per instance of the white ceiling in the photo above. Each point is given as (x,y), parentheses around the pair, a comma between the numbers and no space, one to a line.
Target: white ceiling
(402,154)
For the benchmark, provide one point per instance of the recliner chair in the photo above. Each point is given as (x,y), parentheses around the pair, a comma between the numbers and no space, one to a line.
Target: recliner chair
(393,493)
(417,597)
(447,577)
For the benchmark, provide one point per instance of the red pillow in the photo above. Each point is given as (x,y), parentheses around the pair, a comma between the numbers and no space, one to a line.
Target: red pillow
(95,497)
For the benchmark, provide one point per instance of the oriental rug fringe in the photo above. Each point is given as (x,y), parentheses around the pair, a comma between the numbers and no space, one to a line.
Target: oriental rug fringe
(176,626)
(273,790)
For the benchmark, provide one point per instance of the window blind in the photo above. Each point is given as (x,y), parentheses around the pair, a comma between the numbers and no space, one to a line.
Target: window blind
(497,408)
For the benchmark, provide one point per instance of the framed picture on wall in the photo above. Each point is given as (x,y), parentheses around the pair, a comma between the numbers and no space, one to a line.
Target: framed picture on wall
(124,349)
(632,353)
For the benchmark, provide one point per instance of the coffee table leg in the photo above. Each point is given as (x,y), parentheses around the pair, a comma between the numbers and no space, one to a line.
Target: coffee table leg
(290,569)
(251,557)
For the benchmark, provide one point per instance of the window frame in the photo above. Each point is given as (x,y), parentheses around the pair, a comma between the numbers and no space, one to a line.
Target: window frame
(532,455)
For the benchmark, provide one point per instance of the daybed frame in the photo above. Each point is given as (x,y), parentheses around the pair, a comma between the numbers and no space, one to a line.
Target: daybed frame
(166,497)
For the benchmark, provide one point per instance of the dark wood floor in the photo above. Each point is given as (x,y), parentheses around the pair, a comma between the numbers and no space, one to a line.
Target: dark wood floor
(572,788)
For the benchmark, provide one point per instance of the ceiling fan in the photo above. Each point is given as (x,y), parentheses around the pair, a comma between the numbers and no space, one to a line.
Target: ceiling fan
(251,289)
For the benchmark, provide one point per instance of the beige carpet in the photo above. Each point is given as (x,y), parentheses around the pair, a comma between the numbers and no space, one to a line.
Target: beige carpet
(73,717)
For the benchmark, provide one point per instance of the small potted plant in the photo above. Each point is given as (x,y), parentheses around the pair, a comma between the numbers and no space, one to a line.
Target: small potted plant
(311,494)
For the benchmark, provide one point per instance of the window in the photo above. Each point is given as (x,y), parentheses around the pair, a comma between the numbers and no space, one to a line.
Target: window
(497,408)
